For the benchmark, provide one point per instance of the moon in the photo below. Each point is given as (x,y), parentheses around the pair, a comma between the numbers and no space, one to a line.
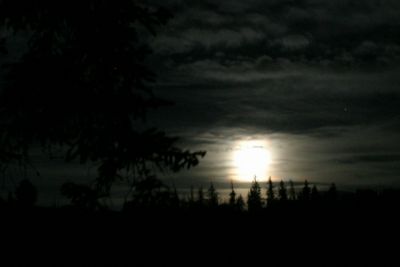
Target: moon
(251,159)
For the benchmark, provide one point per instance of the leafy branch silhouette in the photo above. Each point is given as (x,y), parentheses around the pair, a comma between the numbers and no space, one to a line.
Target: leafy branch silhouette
(83,86)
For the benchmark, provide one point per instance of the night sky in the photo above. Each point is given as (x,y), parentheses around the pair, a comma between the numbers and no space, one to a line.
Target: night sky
(312,83)
(315,82)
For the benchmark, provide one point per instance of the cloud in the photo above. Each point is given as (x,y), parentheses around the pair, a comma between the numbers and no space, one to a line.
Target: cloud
(293,99)
(190,39)
(326,71)
(295,42)
(345,32)
(372,158)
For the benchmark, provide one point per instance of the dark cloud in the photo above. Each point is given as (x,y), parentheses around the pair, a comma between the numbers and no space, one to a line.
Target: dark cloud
(344,31)
(372,158)
(289,101)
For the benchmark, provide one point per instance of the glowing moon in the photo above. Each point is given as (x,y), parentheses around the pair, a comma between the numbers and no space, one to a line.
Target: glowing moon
(251,158)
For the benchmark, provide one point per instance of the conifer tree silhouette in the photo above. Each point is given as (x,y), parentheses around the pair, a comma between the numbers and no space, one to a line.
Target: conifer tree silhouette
(270,192)
(292,191)
(254,201)
(200,197)
(240,203)
(81,196)
(232,196)
(212,196)
(306,192)
(282,191)
(315,194)
(332,193)
(174,198)
(26,193)
(191,196)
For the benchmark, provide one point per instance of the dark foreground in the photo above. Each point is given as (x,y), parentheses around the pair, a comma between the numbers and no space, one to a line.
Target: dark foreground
(344,234)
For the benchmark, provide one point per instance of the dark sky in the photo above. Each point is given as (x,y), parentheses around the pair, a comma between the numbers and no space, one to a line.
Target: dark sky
(317,80)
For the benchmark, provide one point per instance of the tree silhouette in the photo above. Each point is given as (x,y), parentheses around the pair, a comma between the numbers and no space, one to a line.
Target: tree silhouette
(200,197)
(2,203)
(26,193)
(81,196)
(150,192)
(282,191)
(254,202)
(232,196)
(270,192)
(212,196)
(315,194)
(332,192)
(175,201)
(305,193)
(3,49)
(191,196)
(240,203)
(83,86)
(292,191)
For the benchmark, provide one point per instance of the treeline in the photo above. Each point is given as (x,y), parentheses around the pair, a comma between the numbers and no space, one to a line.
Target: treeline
(152,194)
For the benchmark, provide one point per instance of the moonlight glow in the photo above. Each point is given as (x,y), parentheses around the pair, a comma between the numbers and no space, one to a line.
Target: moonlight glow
(251,158)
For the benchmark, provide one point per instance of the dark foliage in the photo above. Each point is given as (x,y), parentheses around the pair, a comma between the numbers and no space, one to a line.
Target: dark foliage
(292,191)
(212,196)
(200,197)
(282,192)
(26,194)
(315,194)
(254,201)
(83,85)
(306,192)
(232,197)
(332,192)
(270,192)
(81,196)
(240,204)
